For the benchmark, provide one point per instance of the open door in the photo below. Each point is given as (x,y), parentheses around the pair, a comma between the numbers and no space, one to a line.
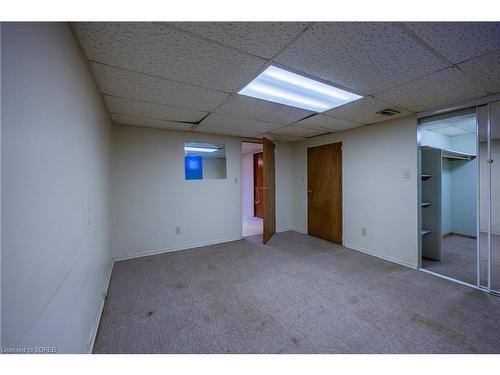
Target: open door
(269,190)
(258,182)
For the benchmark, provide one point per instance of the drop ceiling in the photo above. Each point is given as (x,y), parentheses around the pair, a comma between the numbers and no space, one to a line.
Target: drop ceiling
(453,126)
(185,76)
(250,148)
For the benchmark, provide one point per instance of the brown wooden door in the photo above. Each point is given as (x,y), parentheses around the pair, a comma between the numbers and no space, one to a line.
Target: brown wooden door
(324,192)
(258,185)
(269,190)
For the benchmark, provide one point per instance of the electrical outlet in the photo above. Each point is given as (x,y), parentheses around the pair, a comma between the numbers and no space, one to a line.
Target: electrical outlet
(406,173)
(177,230)
(363,231)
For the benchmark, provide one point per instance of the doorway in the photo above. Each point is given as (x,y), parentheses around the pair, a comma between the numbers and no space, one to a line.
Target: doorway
(252,165)
(324,192)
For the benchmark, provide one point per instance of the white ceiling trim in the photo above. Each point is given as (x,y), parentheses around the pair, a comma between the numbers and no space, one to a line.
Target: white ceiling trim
(147,122)
(233,122)
(137,108)
(227,131)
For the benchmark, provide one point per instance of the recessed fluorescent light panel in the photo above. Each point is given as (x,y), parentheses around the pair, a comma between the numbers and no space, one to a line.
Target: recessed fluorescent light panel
(199,149)
(284,87)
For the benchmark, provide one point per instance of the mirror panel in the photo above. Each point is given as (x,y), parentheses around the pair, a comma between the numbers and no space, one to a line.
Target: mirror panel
(204,161)
(449,194)
(495,195)
(484,191)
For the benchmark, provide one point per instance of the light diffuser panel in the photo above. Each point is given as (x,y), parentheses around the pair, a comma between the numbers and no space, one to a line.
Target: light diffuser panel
(284,87)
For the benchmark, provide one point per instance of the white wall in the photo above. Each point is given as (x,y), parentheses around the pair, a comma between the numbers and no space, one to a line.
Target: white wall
(214,168)
(55,166)
(463,191)
(432,139)
(464,143)
(247,185)
(376,196)
(459,196)
(446,183)
(150,196)
(284,186)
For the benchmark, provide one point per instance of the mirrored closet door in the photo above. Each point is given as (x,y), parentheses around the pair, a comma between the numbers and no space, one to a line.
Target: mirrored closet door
(489,196)
(495,195)
(460,195)
(449,169)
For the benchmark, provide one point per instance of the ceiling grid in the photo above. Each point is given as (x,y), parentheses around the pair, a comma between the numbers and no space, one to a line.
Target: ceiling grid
(186,76)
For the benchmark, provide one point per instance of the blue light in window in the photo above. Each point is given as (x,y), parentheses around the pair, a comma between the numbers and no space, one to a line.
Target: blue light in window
(193,167)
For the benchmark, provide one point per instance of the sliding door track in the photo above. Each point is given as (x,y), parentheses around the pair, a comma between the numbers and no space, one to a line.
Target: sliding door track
(495,293)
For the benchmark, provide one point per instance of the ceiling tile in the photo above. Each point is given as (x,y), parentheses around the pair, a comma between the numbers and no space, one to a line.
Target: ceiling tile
(327,123)
(364,111)
(263,39)
(167,52)
(150,123)
(123,83)
(459,41)
(283,138)
(250,148)
(485,70)
(150,110)
(225,131)
(232,122)
(297,131)
(364,56)
(257,109)
(446,87)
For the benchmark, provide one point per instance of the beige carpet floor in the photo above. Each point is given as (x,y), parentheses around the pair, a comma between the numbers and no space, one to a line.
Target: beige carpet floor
(459,259)
(297,294)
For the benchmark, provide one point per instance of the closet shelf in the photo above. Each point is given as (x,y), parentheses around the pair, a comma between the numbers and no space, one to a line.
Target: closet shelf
(425,177)
(425,231)
(426,204)
(449,154)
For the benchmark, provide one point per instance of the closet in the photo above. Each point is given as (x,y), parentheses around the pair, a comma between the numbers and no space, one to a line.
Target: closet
(459,195)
